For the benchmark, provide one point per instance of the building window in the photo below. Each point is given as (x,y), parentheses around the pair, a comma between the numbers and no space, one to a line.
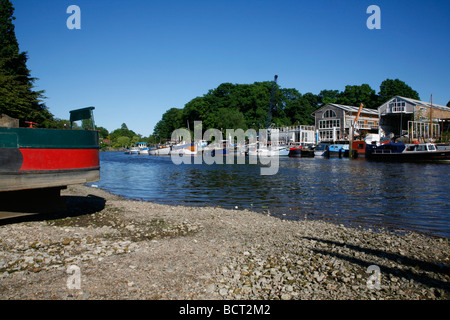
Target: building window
(329,124)
(329,114)
(327,135)
(398,106)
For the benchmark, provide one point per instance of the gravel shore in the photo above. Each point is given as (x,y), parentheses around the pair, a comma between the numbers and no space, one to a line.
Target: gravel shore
(122,249)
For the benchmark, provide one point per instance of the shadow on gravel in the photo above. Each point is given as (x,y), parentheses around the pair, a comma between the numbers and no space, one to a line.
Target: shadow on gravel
(419,266)
(75,206)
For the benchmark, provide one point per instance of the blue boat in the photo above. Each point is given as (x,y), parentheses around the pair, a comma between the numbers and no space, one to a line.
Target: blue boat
(338,150)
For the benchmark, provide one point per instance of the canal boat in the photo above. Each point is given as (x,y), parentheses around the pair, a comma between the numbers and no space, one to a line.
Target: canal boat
(412,152)
(32,158)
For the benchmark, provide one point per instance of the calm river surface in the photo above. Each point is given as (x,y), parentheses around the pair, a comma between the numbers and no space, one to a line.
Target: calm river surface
(399,196)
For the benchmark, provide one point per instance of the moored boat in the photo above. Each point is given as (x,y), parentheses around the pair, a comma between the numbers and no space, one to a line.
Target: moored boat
(413,152)
(32,158)
(321,150)
(338,150)
(160,151)
(295,152)
(143,148)
(358,149)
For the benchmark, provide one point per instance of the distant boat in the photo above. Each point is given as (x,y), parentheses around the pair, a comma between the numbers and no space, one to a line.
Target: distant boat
(143,148)
(184,148)
(138,148)
(321,150)
(359,147)
(302,152)
(412,152)
(132,150)
(308,152)
(338,150)
(160,151)
(270,151)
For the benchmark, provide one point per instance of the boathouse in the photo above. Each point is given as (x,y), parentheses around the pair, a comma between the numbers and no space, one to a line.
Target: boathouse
(410,118)
(333,121)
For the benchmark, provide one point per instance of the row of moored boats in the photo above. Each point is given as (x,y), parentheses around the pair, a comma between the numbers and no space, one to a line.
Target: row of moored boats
(368,148)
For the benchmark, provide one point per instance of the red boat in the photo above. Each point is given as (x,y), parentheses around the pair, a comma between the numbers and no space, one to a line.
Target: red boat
(48,159)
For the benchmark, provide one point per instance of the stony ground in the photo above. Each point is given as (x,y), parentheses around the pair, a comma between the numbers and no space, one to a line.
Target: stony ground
(120,249)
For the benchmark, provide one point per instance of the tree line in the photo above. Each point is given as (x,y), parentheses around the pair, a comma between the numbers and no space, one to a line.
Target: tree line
(245,106)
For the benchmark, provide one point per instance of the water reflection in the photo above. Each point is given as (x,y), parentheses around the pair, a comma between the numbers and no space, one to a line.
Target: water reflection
(399,196)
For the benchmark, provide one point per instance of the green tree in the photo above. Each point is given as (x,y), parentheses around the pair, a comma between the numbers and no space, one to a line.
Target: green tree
(136,139)
(328,96)
(123,141)
(103,132)
(355,95)
(448,104)
(390,88)
(299,110)
(17,97)
(229,118)
(171,120)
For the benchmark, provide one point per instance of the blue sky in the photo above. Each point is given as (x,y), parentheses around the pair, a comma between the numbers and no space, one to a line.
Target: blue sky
(135,59)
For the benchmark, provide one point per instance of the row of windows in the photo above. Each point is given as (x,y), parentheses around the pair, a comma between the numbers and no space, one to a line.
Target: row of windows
(328,134)
(398,106)
(329,124)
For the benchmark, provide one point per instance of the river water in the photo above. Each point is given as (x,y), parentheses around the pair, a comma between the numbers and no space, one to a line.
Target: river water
(395,196)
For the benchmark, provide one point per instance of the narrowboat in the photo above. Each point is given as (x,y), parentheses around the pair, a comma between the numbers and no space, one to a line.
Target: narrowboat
(32,158)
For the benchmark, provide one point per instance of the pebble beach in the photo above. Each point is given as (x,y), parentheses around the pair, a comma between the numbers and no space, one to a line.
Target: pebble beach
(109,248)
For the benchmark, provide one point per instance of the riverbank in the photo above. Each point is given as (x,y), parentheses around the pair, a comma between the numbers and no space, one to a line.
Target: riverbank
(140,250)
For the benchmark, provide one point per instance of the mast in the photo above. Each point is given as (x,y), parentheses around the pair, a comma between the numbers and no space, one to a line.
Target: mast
(271,105)
(431,118)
